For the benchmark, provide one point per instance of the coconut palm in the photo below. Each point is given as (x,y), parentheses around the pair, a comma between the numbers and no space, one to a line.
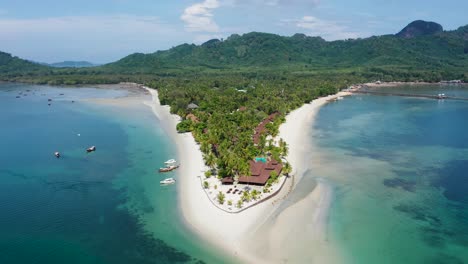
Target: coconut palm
(287,169)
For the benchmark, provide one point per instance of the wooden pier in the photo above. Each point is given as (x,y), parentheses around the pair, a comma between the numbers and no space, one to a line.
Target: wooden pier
(428,96)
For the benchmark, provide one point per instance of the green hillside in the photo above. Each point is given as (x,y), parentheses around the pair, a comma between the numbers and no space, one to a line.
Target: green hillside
(421,51)
(435,51)
(10,66)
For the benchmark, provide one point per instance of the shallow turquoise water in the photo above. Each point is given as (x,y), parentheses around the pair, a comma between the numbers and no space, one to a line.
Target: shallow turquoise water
(102,207)
(399,170)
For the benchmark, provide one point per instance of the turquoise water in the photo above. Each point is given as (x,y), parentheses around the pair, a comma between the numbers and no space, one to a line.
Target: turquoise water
(398,167)
(102,207)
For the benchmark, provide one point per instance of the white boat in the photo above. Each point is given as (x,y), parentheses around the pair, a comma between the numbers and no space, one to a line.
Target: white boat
(91,149)
(441,96)
(167,181)
(170,161)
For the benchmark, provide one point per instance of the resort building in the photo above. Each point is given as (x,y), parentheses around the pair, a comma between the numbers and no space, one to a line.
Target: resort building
(192,106)
(261,128)
(260,172)
(192,117)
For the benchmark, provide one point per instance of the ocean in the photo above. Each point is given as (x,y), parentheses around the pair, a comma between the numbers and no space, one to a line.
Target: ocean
(398,167)
(100,207)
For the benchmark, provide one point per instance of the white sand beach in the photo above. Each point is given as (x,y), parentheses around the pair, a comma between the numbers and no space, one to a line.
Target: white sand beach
(256,235)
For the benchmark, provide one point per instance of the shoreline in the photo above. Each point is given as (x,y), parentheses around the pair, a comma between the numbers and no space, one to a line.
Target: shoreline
(396,84)
(202,217)
(240,231)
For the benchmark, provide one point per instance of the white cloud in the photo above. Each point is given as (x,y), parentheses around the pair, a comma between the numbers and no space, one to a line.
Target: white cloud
(199,17)
(329,30)
(291,2)
(279,3)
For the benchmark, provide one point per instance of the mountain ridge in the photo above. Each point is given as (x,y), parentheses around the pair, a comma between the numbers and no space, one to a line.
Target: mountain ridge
(441,52)
(420,28)
(257,49)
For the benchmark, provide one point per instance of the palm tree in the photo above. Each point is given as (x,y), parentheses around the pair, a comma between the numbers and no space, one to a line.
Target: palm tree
(262,143)
(284,147)
(287,169)
(210,160)
(205,147)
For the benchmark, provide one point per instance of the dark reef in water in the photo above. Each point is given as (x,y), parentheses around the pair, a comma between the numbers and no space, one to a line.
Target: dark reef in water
(454,181)
(402,183)
(444,259)
(418,213)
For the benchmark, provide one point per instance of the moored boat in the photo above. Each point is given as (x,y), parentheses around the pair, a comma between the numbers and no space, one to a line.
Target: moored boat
(57,154)
(91,149)
(168,168)
(167,181)
(171,161)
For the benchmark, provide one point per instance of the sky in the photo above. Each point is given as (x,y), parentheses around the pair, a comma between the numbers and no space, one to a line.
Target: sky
(102,31)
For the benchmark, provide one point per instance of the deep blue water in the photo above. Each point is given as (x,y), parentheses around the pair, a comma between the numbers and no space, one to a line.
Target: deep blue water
(101,207)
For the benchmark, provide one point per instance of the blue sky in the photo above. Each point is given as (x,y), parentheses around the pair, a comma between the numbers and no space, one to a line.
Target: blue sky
(106,30)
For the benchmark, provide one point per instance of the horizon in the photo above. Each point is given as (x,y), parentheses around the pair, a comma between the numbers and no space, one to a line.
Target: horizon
(113,29)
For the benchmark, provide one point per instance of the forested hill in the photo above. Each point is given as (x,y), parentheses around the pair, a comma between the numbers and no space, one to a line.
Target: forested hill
(14,65)
(424,45)
(421,51)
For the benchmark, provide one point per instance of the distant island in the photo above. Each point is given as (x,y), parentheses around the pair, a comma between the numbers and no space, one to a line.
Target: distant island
(71,64)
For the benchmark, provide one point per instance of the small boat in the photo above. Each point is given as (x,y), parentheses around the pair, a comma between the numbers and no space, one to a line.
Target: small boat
(57,154)
(441,96)
(168,168)
(171,161)
(167,181)
(91,149)
(50,100)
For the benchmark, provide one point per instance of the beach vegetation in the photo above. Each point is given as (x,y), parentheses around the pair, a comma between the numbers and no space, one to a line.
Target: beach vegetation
(239,204)
(208,173)
(229,202)
(220,197)
(255,194)
(287,168)
(206,185)
(283,147)
(246,196)
(273,176)
(184,126)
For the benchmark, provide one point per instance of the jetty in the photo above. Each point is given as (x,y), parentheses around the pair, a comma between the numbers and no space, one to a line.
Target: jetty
(428,96)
